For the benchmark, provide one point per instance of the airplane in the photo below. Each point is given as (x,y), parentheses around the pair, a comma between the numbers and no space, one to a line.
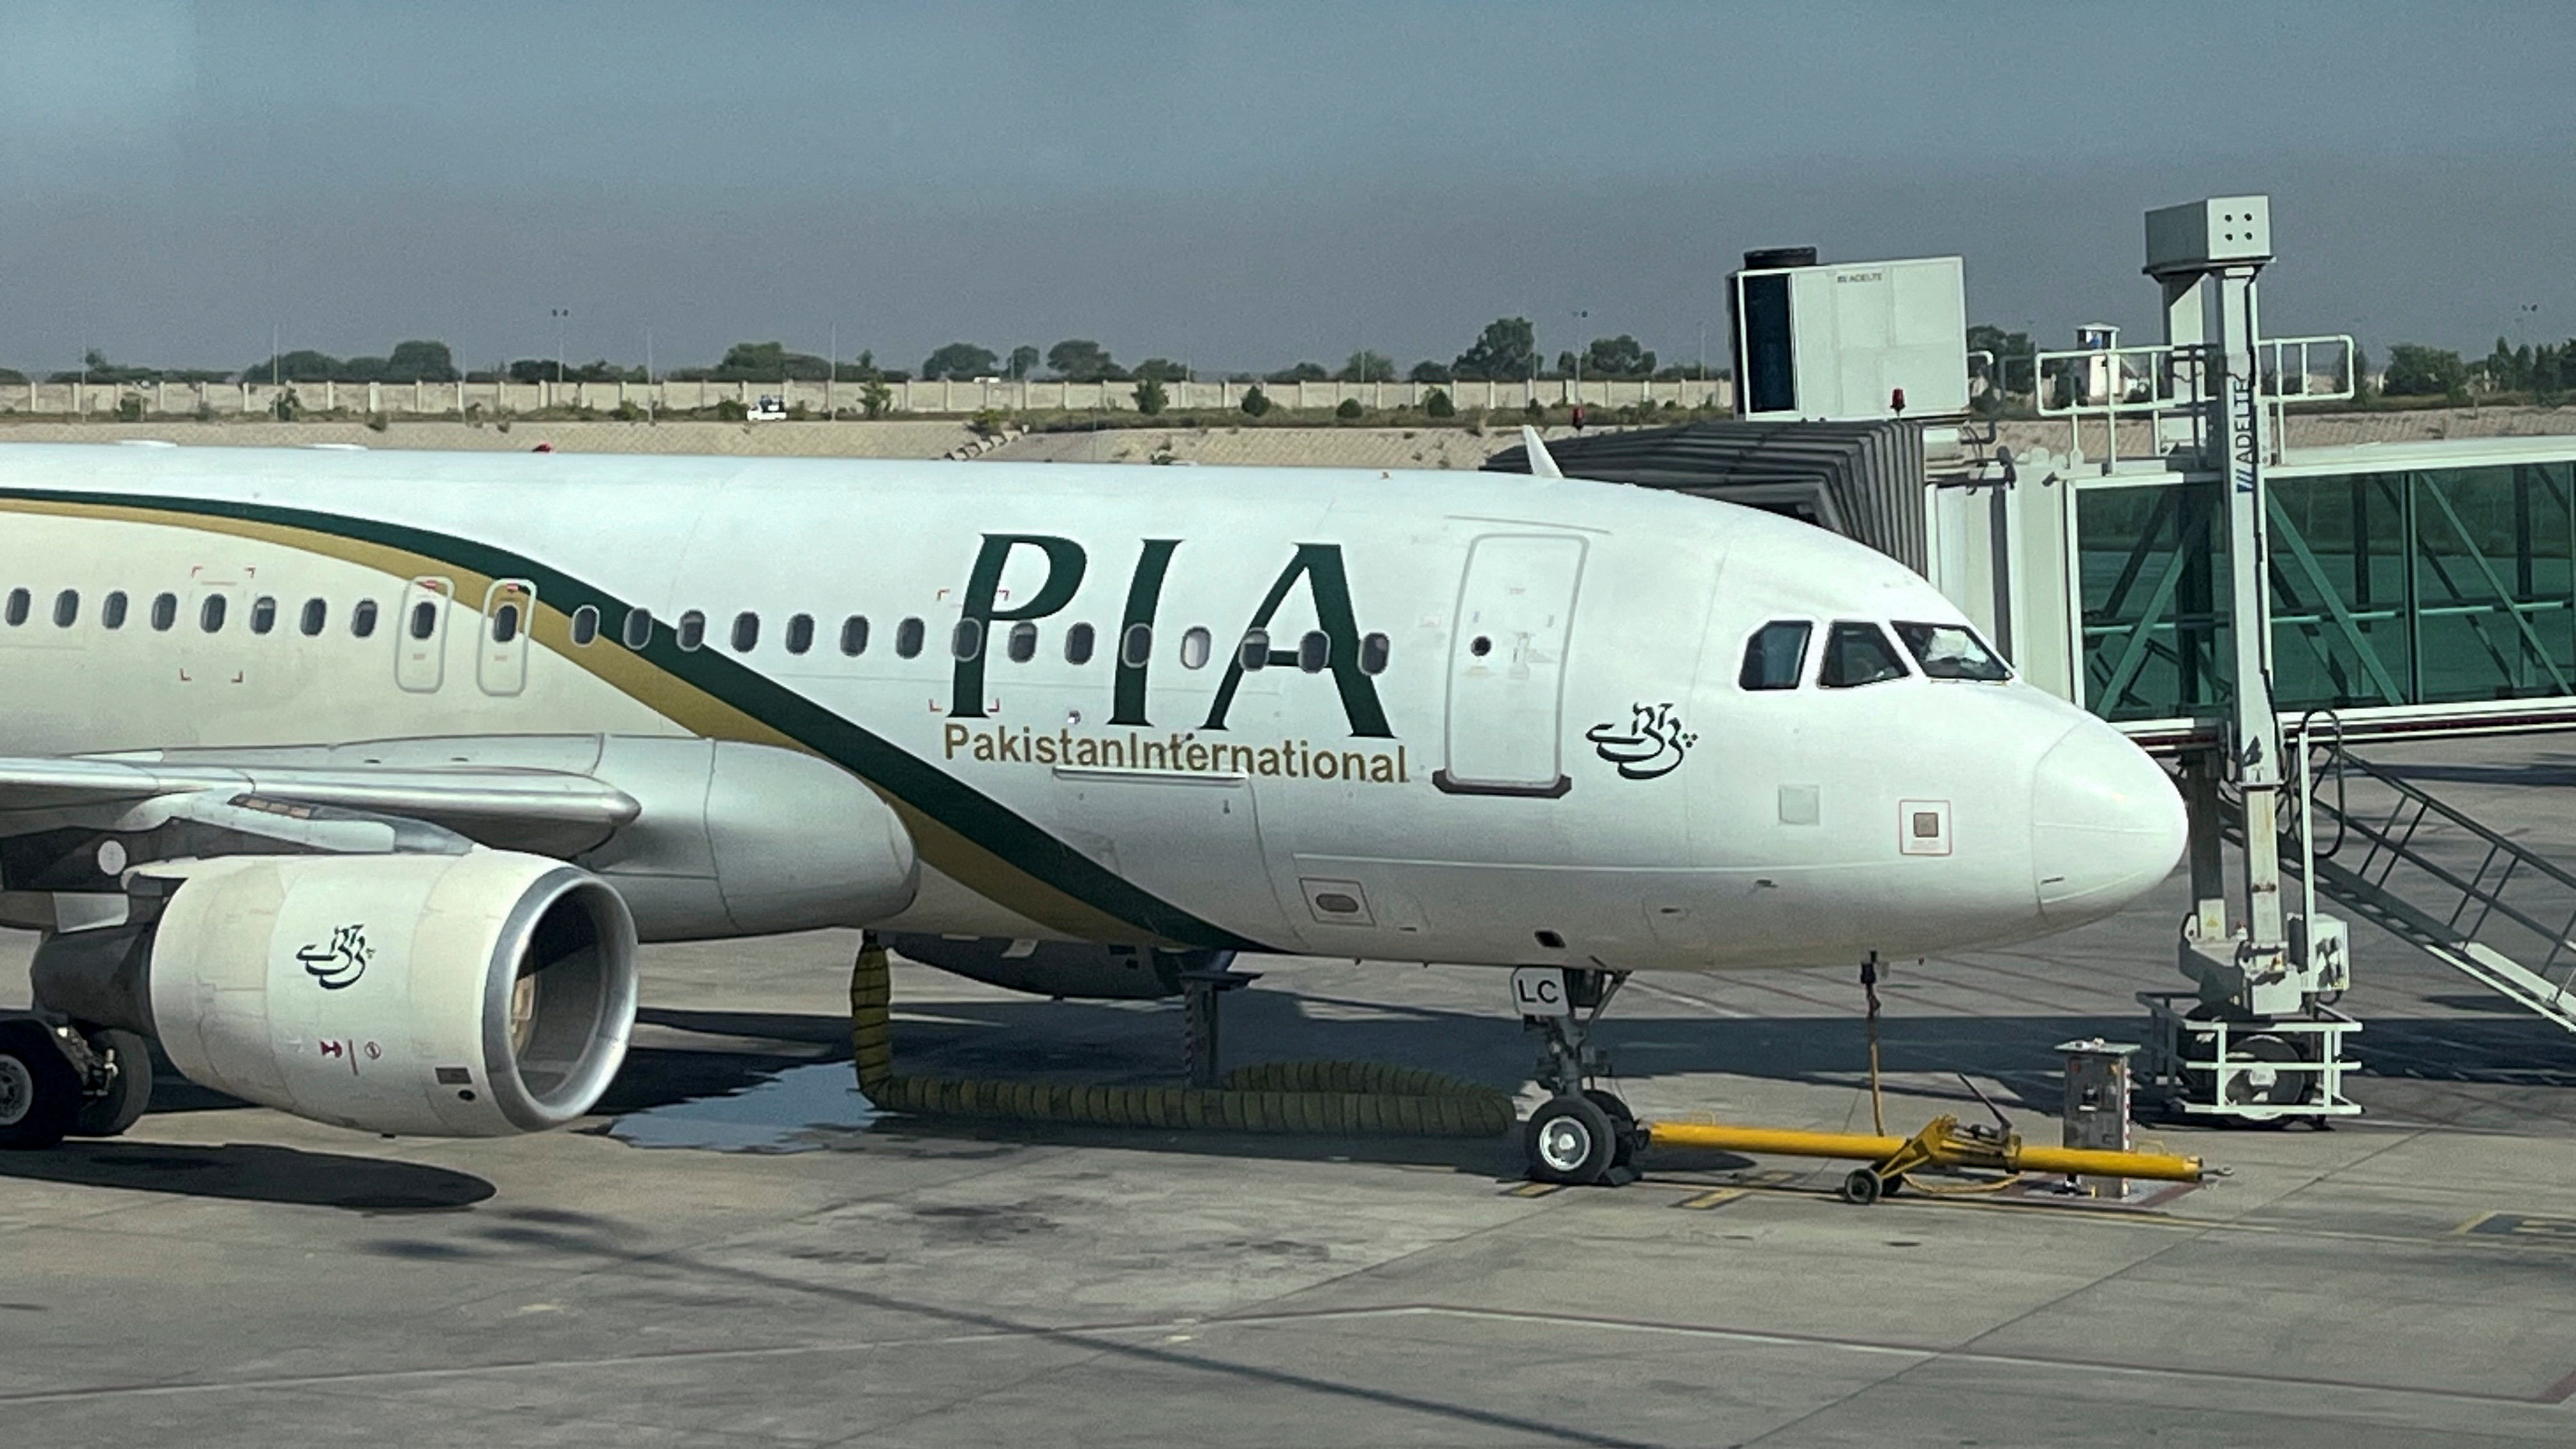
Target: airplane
(355,778)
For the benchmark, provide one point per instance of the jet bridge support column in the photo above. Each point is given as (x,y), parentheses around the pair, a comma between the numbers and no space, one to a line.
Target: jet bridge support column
(2206,256)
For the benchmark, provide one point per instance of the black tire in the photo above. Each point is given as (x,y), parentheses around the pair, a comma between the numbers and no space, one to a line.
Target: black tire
(1630,1147)
(39,1091)
(1862,1187)
(1570,1140)
(129,1089)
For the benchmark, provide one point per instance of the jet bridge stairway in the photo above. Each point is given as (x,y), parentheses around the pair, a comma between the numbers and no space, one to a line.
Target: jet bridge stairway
(2389,852)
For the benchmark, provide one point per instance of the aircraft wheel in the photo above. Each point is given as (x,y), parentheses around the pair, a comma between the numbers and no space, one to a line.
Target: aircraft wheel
(1570,1139)
(1862,1187)
(129,1092)
(1629,1140)
(39,1091)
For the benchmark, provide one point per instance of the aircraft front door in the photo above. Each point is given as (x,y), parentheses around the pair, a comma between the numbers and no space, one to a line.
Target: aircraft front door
(1507,665)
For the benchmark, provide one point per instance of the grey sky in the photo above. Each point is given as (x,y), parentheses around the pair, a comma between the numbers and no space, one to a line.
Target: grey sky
(1237,185)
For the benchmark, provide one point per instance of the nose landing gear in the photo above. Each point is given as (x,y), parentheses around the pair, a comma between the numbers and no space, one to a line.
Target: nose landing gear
(1582,1134)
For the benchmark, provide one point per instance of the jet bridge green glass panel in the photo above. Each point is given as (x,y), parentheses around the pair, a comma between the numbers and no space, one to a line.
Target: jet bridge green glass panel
(2389,588)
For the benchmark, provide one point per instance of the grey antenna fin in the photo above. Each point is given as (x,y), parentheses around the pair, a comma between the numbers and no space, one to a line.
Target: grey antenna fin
(1542,464)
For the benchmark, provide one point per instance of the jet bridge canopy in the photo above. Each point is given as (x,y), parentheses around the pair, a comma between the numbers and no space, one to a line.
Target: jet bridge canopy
(1864,480)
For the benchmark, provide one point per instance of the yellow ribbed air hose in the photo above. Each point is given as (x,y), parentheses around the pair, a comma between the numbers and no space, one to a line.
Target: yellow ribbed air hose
(1320,1097)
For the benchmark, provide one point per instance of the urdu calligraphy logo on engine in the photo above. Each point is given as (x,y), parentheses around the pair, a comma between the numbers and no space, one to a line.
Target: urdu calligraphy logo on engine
(337,964)
(1652,742)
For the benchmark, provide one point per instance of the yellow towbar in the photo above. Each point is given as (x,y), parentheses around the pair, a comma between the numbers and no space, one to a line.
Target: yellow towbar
(1943,1142)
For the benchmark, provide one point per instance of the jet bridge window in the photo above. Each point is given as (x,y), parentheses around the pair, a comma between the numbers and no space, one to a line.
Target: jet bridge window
(165,611)
(316,615)
(111,610)
(1858,654)
(263,614)
(20,601)
(66,608)
(1776,656)
(362,618)
(1951,651)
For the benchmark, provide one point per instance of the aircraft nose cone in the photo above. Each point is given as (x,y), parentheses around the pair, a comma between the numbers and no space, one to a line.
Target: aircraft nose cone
(2106,824)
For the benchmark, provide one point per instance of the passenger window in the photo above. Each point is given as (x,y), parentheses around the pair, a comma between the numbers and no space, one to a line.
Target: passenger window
(505,623)
(800,633)
(66,608)
(263,614)
(746,632)
(908,636)
(165,611)
(20,601)
(637,631)
(967,639)
(111,610)
(585,624)
(1776,656)
(316,615)
(1137,646)
(1195,644)
(693,629)
(1024,643)
(424,619)
(1078,642)
(1254,652)
(1951,651)
(854,635)
(210,614)
(1858,654)
(362,619)
(1373,654)
(1314,651)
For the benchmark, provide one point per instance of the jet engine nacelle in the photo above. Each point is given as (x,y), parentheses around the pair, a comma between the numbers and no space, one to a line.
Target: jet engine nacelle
(472,995)
(1061,968)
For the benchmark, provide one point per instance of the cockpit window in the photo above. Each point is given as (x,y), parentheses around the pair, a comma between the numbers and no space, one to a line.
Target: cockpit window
(1951,651)
(1776,655)
(1858,654)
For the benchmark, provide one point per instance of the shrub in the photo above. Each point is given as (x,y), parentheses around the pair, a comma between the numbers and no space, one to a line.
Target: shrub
(1535,409)
(1150,397)
(378,422)
(875,398)
(129,408)
(1255,402)
(1438,404)
(731,410)
(987,424)
(287,408)
(1349,409)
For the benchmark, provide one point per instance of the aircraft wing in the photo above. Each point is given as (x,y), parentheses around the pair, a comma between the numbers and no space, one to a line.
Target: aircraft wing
(331,807)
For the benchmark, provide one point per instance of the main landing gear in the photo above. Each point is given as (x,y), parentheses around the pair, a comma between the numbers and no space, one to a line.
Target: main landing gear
(1581,1134)
(57,1082)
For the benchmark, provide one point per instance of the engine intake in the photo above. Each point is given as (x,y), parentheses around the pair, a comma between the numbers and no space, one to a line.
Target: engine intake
(472,995)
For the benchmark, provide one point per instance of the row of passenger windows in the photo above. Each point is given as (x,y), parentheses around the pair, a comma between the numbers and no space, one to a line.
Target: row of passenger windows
(1313,652)
(966,640)
(1859,653)
(212,610)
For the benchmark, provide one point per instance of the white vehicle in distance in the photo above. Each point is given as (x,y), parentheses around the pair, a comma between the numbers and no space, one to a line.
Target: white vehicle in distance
(771,408)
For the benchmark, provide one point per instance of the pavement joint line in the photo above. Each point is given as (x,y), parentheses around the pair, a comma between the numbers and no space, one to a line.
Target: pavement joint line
(2556,1393)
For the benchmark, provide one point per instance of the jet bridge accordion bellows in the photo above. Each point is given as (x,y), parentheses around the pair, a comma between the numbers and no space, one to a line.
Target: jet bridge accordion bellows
(1324,1097)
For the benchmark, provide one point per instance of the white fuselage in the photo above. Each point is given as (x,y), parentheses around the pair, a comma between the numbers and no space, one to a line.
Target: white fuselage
(1498,719)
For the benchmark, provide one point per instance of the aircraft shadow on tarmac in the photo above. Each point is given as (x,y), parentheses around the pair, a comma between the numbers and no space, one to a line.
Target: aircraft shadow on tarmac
(253,1172)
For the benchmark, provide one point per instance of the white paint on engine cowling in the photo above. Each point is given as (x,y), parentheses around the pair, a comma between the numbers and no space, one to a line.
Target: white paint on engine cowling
(376,992)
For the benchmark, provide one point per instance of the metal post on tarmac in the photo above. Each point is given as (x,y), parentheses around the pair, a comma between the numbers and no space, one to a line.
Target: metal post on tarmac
(2237,1051)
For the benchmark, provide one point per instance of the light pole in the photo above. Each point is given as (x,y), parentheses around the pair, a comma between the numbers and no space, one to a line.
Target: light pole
(559,314)
(1581,315)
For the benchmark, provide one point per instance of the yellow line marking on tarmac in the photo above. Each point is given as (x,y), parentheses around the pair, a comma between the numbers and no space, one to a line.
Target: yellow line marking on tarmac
(1717,1198)
(1534,1189)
